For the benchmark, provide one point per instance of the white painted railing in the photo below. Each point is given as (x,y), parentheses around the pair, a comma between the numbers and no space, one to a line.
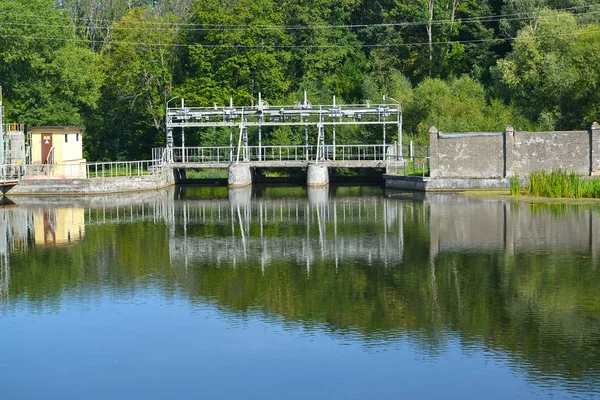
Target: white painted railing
(111,169)
(226,154)
(214,154)
(115,169)
(10,172)
(408,166)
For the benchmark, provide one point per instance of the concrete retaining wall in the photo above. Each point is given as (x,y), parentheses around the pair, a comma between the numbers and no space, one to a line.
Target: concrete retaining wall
(468,156)
(528,152)
(80,186)
(444,184)
(509,153)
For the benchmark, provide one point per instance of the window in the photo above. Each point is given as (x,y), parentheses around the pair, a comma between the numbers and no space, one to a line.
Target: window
(77,137)
(66,138)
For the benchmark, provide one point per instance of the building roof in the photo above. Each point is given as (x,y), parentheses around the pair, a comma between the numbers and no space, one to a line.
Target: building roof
(57,128)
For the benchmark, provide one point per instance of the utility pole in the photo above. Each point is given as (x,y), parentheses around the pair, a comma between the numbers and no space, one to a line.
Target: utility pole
(2,136)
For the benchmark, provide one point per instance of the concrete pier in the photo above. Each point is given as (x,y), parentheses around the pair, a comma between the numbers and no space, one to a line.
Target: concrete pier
(239,175)
(317,175)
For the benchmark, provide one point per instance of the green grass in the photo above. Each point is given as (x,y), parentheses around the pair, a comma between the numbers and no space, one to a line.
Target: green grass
(559,185)
(209,173)
(414,167)
(515,187)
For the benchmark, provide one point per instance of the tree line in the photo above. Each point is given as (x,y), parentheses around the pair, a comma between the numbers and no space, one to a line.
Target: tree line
(458,64)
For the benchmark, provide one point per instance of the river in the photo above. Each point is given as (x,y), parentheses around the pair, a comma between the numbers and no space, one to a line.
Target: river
(289,293)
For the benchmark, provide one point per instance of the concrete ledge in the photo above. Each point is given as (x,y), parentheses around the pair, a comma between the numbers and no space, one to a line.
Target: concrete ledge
(444,184)
(82,186)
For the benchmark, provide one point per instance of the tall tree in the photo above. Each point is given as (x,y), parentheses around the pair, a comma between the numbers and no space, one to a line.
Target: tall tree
(47,75)
(139,64)
(553,72)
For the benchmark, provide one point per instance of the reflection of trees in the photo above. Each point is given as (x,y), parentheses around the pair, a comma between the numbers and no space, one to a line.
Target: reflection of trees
(539,308)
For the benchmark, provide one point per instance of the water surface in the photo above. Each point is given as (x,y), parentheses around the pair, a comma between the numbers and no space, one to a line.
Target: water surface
(344,292)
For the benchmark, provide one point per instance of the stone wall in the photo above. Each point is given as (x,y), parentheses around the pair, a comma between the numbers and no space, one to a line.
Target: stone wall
(469,156)
(509,153)
(528,152)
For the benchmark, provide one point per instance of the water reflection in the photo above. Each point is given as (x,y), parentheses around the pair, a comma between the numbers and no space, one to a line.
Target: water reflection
(300,229)
(519,281)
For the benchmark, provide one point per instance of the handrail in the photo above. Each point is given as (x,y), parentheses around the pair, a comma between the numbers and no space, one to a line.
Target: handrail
(223,154)
(108,169)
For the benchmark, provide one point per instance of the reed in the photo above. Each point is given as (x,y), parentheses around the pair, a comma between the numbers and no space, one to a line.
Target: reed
(515,187)
(559,184)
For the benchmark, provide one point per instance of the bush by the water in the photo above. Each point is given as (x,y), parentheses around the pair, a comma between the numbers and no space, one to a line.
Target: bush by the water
(561,184)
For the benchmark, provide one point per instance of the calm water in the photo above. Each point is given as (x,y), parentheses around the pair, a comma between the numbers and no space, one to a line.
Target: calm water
(284,294)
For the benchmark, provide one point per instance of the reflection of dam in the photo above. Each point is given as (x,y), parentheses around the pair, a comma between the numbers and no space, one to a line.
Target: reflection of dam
(299,229)
(234,226)
(459,223)
(14,228)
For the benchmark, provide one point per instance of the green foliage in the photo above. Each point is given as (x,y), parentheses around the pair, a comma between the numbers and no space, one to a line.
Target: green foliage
(458,105)
(112,66)
(553,72)
(50,81)
(561,184)
(515,187)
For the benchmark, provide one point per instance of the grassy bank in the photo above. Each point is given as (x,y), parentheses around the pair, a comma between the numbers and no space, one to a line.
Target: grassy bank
(558,185)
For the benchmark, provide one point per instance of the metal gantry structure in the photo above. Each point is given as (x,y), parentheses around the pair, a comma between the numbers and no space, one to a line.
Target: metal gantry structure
(262,115)
(2,136)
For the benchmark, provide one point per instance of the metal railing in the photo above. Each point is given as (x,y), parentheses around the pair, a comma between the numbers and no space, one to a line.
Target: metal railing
(214,154)
(114,169)
(282,153)
(408,166)
(111,169)
(358,152)
(226,154)
(10,172)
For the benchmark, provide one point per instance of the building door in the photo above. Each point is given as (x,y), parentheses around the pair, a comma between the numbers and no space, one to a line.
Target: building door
(46,148)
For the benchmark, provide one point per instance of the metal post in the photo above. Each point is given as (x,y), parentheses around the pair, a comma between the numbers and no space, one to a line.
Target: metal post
(260,109)
(231,143)
(384,140)
(182,136)
(259,143)
(333,142)
(246,150)
(400,130)
(169,145)
(306,137)
(320,143)
(239,143)
(169,131)
(2,154)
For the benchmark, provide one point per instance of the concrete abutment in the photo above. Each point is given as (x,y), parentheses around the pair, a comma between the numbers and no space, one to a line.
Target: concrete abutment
(317,175)
(239,175)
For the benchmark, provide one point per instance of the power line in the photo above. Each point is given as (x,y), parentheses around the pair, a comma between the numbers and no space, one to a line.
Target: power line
(295,46)
(232,27)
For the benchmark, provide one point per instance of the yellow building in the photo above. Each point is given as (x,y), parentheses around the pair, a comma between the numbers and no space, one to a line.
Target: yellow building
(59,146)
